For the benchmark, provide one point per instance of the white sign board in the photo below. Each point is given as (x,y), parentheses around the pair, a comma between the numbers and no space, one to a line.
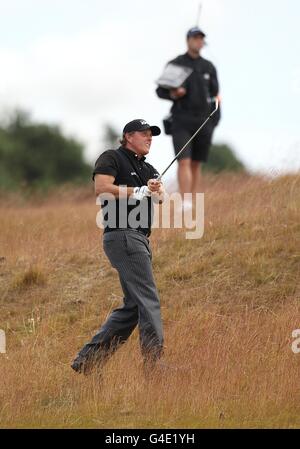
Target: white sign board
(174,76)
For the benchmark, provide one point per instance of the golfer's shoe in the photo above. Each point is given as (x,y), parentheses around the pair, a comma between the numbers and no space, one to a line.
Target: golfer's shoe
(161,369)
(82,365)
(154,368)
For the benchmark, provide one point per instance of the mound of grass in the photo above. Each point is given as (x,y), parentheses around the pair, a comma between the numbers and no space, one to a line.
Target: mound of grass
(229,300)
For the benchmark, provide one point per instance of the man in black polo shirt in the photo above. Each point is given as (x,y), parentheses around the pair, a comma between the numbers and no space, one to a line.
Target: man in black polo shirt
(126,244)
(193,101)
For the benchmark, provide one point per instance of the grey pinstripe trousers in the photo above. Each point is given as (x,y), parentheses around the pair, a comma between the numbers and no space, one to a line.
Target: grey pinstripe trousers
(130,254)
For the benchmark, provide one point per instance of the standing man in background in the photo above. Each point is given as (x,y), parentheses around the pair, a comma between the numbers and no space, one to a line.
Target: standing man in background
(192,103)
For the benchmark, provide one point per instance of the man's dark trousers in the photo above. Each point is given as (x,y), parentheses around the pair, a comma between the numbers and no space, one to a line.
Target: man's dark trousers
(130,254)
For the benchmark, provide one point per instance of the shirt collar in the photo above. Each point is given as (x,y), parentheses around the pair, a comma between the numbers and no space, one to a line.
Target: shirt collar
(132,154)
(192,59)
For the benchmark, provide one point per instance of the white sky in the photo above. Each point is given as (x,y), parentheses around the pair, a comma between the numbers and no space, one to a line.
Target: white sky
(83,64)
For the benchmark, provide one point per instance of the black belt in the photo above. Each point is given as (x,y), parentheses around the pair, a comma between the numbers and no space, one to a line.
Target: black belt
(145,232)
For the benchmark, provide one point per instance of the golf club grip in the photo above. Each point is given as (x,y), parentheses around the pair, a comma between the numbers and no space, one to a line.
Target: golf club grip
(186,144)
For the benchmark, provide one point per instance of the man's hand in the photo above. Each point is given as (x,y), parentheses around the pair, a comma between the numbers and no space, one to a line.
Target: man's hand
(177,93)
(140,192)
(157,190)
(154,185)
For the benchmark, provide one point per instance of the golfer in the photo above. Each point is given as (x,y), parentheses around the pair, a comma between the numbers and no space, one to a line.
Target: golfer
(126,244)
(192,103)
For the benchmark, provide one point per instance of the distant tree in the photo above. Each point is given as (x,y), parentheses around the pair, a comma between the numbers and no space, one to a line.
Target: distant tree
(222,158)
(38,154)
(110,137)
(7,148)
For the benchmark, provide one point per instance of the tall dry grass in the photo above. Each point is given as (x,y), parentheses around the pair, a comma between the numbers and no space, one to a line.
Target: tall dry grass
(230,302)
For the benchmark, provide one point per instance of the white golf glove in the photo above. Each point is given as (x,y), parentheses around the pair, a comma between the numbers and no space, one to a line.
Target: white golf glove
(140,192)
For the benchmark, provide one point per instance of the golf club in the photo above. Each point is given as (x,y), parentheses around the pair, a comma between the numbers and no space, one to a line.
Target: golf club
(199,14)
(185,145)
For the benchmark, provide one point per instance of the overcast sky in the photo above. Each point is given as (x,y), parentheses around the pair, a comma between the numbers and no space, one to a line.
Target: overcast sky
(81,64)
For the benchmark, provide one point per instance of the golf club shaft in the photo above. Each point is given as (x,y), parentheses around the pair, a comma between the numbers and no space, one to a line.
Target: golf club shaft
(199,14)
(186,144)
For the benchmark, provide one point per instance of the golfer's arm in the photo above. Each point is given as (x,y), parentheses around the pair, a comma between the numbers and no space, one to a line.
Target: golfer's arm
(104,184)
(214,84)
(163,93)
(159,197)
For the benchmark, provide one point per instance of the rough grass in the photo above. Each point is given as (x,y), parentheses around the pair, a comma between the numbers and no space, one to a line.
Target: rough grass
(230,302)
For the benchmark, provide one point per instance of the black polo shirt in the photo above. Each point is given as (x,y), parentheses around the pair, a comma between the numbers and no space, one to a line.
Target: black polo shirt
(200,87)
(132,171)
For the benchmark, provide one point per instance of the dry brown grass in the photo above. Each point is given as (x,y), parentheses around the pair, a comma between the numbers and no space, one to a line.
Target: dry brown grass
(230,302)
